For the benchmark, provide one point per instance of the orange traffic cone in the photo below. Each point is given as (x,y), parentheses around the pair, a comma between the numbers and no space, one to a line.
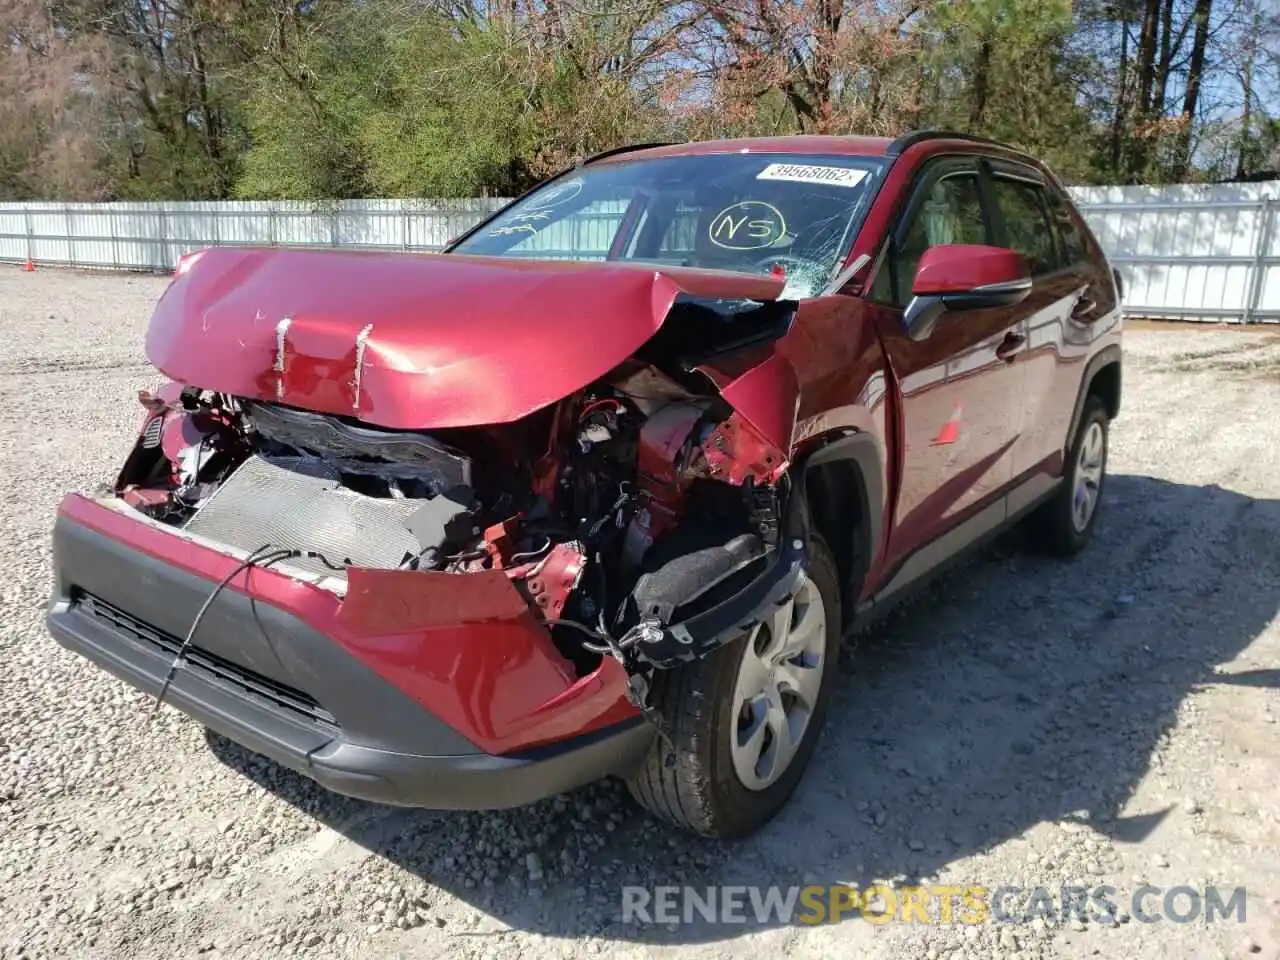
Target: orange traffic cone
(30,267)
(950,430)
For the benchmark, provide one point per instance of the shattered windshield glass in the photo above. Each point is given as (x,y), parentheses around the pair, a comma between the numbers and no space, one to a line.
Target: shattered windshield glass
(749,213)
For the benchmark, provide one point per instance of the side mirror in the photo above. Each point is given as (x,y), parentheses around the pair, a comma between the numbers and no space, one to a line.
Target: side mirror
(960,276)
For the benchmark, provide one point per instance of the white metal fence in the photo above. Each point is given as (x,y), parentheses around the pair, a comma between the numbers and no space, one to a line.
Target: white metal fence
(1192,252)
(152,236)
(1186,252)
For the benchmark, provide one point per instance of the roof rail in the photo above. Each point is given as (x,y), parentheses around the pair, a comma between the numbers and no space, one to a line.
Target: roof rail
(908,140)
(617,150)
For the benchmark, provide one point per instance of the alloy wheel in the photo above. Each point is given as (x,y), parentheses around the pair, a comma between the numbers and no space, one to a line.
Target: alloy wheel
(1087,484)
(777,687)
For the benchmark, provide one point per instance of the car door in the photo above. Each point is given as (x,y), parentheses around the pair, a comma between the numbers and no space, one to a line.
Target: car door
(959,386)
(1024,210)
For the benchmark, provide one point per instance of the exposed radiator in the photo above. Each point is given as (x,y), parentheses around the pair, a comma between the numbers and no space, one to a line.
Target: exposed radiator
(299,503)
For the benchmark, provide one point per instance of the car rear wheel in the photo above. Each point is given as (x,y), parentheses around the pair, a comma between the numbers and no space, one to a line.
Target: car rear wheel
(743,722)
(1065,524)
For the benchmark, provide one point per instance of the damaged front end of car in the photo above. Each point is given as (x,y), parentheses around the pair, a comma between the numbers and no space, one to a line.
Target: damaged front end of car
(644,516)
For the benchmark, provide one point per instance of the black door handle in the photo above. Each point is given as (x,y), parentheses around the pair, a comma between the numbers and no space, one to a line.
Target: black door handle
(1009,346)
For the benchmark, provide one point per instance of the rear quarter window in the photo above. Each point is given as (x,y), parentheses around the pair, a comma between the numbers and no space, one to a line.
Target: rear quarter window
(1070,238)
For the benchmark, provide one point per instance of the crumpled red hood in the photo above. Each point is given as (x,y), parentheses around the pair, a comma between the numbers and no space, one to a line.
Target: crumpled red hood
(413,341)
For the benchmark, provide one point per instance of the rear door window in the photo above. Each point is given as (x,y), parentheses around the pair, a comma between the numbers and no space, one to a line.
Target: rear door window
(1027,229)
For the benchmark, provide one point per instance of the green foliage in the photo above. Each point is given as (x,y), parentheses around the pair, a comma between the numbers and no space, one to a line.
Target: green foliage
(326,99)
(433,130)
(428,107)
(1000,68)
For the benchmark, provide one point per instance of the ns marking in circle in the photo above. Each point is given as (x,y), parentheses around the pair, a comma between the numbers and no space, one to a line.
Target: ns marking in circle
(747,225)
(554,196)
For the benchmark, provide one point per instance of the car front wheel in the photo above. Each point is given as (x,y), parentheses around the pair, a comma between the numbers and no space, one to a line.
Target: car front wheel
(743,722)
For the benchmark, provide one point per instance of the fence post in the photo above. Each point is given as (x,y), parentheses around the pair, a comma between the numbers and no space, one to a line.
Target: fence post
(1266,224)
(163,239)
(71,234)
(31,235)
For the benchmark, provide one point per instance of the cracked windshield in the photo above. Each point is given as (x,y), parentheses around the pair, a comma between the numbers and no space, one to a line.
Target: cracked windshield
(745,213)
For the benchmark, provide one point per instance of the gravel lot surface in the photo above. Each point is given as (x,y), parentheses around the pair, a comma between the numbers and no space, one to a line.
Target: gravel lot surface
(1109,720)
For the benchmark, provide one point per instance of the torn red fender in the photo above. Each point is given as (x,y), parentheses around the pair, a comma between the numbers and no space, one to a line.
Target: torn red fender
(768,397)
(736,451)
(757,439)
(400,601)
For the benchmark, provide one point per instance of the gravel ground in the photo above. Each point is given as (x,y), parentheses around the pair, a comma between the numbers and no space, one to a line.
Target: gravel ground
(1110,720)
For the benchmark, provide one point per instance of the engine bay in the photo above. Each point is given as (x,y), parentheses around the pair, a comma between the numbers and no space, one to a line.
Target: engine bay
(617,512)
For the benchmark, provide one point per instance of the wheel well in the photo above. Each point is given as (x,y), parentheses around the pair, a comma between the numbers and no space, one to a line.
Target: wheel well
(1105,385)
(836,495)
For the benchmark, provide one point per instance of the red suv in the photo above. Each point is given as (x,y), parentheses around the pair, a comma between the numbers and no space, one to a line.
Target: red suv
(597,491)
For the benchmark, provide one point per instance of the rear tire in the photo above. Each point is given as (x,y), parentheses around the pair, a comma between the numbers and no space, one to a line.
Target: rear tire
(706,781)
(1064,525)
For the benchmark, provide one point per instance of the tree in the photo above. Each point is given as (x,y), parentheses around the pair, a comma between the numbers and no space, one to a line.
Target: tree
(54,132)
(319,99)
(835,67)
(1195,81)
(160,76)
(384,100)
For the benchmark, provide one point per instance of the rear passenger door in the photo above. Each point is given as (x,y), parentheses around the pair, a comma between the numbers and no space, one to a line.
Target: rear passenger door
(1030,218)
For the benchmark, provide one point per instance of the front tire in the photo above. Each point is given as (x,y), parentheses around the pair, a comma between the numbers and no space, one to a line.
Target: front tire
(744,721)
(1064,525)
